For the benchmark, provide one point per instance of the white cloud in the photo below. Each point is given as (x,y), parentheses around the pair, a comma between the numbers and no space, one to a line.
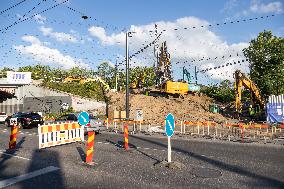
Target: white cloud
(100,33)
(31,39)
(59,36)
(272,7)
(40,19)
(44,54)
(183,45)
(229,5)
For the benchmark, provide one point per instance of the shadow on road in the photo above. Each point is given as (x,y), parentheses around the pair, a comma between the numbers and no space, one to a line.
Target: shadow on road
(81,153)
(41,160)
(120,144)
(8,154)
(266,181)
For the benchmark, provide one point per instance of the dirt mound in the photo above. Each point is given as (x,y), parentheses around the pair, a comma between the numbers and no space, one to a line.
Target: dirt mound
(156,108)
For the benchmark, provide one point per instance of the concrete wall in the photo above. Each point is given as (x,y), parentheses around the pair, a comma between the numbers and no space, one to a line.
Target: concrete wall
(48,104)
(40,98)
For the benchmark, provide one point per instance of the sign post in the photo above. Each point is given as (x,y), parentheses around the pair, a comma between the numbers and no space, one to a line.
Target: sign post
(170,128)
(83,120)
(13,135)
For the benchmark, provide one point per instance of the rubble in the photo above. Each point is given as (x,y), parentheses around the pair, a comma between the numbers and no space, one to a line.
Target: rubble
(194,108)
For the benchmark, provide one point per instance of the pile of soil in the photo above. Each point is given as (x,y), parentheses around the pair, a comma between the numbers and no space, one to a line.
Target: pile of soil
(195,108)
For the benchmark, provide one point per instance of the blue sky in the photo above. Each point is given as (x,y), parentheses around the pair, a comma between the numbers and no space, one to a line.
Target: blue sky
(61,38)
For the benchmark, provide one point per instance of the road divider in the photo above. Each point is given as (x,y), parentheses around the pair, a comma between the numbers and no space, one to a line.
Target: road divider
(126,136)
(13,136)
(58,134)
(90,147)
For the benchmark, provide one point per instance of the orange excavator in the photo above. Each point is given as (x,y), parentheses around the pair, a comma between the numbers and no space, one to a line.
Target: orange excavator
(241,80)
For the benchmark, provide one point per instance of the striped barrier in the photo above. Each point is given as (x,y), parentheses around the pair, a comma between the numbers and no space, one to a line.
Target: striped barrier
(126,136)
(90,147)
(13,137)
(58,134)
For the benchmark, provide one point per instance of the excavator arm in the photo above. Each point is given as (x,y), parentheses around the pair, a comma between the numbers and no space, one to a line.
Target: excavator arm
(243,81)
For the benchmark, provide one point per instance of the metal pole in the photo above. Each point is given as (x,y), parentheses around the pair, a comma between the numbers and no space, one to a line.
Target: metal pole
(127,79)
(169,150)
(116,75)
(195,74)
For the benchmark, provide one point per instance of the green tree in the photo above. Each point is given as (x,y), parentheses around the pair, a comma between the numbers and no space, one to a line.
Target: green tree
(3,72)
(107,72)
(224,92)
(266,57)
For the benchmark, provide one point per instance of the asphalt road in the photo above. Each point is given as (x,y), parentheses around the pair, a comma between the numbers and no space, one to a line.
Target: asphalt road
(207,163)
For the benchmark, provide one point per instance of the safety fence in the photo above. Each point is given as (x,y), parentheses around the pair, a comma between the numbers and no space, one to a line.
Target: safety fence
(58,134)
(211,129)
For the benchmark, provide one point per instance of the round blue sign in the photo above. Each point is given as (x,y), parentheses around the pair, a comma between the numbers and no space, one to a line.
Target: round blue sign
(83,118)
(170,125)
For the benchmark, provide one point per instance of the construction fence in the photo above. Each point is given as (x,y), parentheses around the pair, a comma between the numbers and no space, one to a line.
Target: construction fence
(209,129)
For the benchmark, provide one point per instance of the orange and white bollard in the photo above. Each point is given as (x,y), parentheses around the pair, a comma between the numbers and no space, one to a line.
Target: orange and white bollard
(90,147)
(13,137)
(126,136)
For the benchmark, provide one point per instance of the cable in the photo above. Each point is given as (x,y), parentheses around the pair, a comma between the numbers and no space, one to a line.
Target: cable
(221,66)
(28,18)
(12,7)
(210,25)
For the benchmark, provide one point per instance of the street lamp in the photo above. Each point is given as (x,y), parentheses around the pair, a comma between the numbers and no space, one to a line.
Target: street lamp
(127,75)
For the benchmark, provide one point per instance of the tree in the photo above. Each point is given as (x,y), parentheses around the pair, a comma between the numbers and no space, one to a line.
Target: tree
(3,72)
(224,92)
(107,72)
(266,57)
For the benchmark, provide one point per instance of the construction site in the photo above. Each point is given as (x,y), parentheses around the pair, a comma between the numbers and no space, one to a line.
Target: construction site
(142,94)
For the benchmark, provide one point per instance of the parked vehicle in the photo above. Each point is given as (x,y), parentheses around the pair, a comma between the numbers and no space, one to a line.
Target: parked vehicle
(96,124)
(25,120)
(3,117)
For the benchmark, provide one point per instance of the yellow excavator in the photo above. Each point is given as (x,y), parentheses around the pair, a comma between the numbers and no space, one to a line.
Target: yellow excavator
(85,80)
(257,102)
(71,79)
(164,80)
(96,79)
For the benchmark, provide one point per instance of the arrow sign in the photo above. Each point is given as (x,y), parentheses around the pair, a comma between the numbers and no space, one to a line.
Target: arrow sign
(83,118)
(170,125)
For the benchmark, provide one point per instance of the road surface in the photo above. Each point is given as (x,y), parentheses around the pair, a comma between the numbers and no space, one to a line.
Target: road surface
(207,163)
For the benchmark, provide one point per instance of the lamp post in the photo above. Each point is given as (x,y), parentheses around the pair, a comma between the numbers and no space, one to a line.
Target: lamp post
(127,76)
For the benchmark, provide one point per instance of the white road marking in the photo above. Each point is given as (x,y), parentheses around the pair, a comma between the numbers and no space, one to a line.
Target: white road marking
(27,132)
(99,142)
(12,155)
(14,180)
(146,148)
(4,131)
(106,143)
(30,134)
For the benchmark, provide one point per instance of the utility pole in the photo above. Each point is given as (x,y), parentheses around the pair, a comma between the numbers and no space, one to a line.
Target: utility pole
(116,74)
(127,76)
(195,71)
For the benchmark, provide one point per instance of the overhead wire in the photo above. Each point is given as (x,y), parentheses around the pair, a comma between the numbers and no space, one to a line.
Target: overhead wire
(12,7)
(28,18)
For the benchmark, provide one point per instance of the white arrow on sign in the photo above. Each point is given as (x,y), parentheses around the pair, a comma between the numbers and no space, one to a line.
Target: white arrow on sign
(171,127)
(85,120)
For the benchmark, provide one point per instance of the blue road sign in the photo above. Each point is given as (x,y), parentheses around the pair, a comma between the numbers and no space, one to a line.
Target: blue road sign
(83,118)
(170,125)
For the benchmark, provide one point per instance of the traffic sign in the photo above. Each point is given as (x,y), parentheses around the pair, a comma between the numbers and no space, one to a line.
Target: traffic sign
(13,121)
(139,115)
(170,125)
(83,118)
